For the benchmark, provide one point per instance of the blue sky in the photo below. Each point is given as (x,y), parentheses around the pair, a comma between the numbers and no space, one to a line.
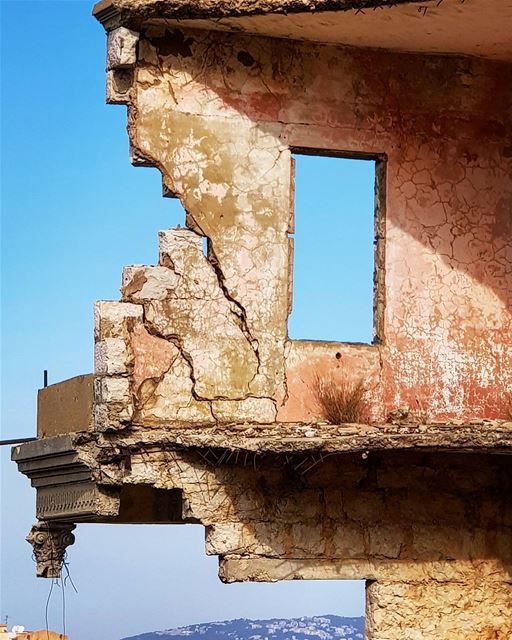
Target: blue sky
(74,212)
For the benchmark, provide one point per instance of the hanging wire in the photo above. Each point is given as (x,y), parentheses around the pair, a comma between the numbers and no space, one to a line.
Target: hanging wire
(63,604)
(46,609)
(68,573)
(53,557)
(11,441)
(64,580)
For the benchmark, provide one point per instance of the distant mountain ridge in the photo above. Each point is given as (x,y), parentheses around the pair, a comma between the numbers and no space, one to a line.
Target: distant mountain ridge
(327,627)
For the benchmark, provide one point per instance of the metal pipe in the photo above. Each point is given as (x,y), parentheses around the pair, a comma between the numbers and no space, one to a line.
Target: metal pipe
(16,441)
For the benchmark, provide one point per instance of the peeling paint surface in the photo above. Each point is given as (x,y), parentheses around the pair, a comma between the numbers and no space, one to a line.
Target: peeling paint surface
(219,115)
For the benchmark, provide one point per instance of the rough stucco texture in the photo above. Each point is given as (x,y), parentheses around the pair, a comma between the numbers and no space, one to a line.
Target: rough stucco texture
(438,559)
(466,611)
(218,114)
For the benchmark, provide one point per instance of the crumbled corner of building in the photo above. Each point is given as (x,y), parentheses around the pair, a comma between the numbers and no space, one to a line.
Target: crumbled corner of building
(388,461)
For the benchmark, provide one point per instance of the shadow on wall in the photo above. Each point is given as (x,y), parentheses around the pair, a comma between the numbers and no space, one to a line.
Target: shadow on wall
(397,516)
(450,179)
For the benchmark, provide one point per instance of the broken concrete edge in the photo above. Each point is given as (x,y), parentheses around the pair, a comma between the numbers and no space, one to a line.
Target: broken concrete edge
(104,466)
(286,439)
(239,568)
(279,438)
(77,480)
(133,13)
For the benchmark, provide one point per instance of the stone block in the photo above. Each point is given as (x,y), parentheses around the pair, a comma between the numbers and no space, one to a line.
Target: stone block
(117,86)
(258,538)
(348,540)
(111,357)
(180,248)
(170,398)
(141,284)
(121,48)
(115,319)
(112,389)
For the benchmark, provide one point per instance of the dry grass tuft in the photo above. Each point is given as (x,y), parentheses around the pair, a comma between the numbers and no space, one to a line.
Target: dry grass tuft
(341,400)
(507,407)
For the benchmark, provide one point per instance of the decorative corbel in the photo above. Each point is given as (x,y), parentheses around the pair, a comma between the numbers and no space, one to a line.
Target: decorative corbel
(49,541)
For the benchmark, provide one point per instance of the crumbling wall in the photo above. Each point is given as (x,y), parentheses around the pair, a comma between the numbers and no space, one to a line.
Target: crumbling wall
(218,114)
(201,337)
(433,541)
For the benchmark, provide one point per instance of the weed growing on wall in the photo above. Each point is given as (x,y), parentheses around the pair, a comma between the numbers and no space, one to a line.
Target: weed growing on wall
(341,400)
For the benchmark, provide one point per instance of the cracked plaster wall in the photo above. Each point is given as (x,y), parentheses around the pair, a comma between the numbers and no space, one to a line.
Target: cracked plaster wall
(218,114)
(202,338)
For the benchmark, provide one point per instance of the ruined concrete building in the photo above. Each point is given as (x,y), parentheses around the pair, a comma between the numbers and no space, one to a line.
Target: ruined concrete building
(202,410)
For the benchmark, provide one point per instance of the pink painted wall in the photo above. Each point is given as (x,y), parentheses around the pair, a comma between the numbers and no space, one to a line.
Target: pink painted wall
(444,124)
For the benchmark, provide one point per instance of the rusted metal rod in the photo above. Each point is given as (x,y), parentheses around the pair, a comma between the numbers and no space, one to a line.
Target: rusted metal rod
(16,441)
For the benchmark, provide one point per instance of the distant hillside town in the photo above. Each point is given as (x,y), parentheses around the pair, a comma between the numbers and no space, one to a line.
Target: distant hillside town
(326,627)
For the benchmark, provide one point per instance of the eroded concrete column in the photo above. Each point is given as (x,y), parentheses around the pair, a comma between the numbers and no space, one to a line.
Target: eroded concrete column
(480,609)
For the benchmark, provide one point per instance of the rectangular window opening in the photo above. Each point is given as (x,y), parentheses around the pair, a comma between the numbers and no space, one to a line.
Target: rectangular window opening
(338,236)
